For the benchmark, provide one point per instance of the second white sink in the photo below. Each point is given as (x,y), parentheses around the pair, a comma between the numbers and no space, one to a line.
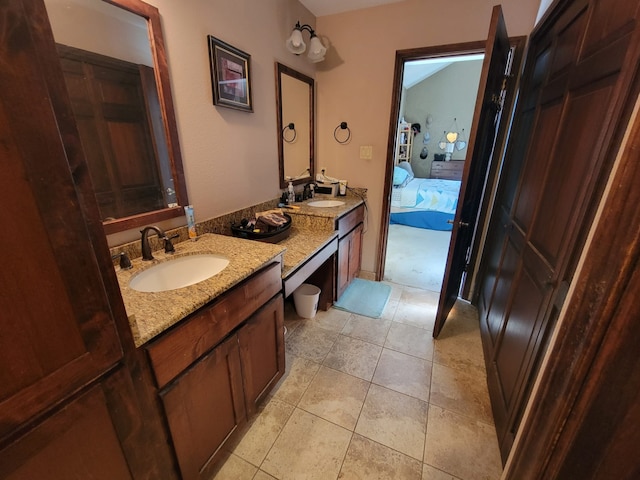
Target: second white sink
(178,272)
(325,203)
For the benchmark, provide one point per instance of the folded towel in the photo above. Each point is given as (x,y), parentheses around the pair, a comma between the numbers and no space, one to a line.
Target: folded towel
(267,212)
(272,220)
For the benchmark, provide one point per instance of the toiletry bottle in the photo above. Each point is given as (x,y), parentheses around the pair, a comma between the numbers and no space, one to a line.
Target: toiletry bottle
(292,194)
(191,222)
(312,192)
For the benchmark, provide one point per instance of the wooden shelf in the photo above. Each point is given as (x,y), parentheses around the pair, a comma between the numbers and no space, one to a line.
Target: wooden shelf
(404,143)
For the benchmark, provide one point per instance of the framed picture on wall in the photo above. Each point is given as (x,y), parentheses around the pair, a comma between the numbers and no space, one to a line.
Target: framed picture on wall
(230,75)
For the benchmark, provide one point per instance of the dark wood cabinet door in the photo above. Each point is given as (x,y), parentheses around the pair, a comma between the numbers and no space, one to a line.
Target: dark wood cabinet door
(204,406)
(349,256)
(349,248)
(343,265)
(355,252)
(79,441)
(70,406)
(262,355)
(58,331)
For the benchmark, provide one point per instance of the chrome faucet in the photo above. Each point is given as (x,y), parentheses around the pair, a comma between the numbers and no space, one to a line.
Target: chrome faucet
(146,248)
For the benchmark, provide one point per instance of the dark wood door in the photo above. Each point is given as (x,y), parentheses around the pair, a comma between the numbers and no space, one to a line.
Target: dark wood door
(485,125)
(110,108)
(575,86)
(262,356)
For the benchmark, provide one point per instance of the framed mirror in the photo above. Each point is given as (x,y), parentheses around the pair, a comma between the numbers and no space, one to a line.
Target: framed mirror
(113,59)
(295,98)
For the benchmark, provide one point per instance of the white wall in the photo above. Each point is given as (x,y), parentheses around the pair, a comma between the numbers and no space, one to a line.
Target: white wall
(355,81)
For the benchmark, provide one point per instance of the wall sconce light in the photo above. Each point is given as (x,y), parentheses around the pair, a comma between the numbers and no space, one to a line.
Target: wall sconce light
(295,43)
(342,126)
(291,127)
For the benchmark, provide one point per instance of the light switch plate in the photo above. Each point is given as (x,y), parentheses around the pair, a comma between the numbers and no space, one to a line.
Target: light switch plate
(366,152)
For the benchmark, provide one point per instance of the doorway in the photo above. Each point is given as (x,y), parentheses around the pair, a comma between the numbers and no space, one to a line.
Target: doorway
(434,93)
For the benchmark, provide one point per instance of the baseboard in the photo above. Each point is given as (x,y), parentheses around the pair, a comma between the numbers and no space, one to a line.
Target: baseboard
(367,275)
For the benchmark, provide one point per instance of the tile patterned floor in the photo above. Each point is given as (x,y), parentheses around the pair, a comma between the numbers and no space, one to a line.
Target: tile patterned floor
(373,399)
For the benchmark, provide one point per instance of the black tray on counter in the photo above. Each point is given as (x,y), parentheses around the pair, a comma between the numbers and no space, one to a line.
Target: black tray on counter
(272,236)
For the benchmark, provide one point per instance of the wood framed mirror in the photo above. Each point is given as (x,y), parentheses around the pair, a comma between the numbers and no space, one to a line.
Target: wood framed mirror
(295,106)
(113,58)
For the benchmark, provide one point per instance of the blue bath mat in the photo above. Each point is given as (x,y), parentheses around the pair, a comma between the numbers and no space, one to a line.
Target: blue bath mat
(365,297)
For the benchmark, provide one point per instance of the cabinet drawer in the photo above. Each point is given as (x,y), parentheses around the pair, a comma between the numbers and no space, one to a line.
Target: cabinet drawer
(176,350)
(347,222)
(451,170)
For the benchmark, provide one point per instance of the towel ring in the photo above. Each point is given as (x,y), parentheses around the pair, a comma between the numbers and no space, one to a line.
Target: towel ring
(291,126)
(342,126)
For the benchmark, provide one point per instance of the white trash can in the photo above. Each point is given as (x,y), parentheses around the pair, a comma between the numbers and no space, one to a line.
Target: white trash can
(305,298)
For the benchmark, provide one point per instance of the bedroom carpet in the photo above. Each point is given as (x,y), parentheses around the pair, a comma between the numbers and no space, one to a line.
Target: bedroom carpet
(365,297)
(416,257)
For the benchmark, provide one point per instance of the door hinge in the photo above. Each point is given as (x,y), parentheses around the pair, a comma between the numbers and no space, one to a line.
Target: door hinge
(506,78)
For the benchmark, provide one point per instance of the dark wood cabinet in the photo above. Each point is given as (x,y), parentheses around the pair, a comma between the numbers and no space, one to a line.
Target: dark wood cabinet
(349,228)
(215,367)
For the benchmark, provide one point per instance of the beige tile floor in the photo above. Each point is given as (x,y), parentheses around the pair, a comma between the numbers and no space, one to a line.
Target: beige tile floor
(367,398)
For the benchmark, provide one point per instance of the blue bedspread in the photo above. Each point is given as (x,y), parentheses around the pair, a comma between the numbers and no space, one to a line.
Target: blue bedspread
(425,203)
(428,219)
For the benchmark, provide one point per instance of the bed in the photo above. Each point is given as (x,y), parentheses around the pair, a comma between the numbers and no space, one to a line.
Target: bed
(423,202)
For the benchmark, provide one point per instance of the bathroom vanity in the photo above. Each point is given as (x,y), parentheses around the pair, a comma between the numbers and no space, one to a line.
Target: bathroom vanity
(215,348)
(323,232)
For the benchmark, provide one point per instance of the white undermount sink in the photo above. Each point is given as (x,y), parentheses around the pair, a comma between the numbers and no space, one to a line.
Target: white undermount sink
(325,203)
(178,272)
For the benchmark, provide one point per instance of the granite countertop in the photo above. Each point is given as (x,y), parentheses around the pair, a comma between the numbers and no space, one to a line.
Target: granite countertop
(350,202)
(302,243)
(152,313)
(312,229)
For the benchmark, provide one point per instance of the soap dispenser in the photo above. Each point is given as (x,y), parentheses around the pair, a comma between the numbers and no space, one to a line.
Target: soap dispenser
(291,194)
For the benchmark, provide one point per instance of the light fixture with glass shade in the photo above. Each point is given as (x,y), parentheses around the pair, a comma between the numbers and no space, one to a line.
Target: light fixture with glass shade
(295,43)
(451,140)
